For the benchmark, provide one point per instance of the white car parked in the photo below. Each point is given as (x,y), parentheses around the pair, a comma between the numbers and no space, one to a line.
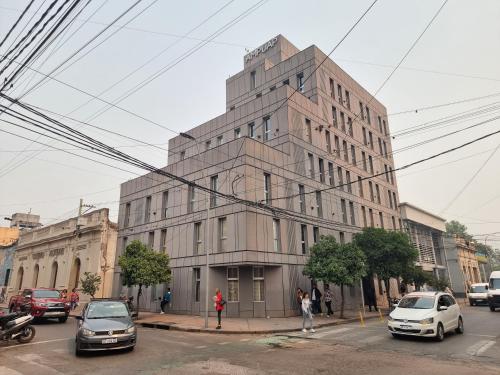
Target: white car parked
(478,293)
(426,314)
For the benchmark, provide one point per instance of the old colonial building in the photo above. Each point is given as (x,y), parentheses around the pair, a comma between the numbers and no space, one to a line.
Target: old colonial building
(302,138)
(56,256)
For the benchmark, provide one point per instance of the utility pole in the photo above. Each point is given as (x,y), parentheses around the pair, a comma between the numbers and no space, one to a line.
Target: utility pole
(80,212)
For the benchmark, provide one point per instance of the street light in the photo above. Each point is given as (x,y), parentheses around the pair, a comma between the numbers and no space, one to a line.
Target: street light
(207,234)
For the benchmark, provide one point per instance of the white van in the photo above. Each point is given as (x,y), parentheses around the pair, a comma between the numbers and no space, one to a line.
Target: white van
(494,290)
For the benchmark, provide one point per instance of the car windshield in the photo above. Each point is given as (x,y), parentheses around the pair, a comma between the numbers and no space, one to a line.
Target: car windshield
(99,310)
(417,302)
(494,283)
(46,294)
(478,289)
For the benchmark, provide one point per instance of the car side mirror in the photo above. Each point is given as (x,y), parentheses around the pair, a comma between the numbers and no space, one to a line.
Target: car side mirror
(394,305)
(442,308)
(486,287)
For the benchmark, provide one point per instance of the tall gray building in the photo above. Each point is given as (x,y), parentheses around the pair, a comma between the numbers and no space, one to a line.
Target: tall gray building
(288,154)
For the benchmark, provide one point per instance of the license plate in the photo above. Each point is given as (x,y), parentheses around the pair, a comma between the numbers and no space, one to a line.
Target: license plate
(109,341)
(405,327)
(53,313)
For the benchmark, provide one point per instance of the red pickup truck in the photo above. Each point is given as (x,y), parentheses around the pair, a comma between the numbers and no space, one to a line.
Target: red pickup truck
(42,303)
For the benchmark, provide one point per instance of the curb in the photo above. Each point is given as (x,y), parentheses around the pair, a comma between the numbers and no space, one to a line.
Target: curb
(174,327)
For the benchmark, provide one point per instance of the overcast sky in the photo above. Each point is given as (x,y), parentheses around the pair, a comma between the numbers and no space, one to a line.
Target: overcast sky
(457,58)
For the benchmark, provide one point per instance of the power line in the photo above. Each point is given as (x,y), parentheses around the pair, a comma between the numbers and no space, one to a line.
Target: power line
(16,23)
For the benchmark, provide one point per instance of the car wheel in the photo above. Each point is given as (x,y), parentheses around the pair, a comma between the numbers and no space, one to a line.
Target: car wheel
(63,319)
(395,335)
(440,332)
(492,308)
(78,352)
(460,326)
(471,302)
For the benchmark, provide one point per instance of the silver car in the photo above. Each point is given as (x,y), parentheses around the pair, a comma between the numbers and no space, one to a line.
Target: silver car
(105,325)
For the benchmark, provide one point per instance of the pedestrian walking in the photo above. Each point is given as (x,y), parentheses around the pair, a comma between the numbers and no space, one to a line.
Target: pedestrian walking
(316,300)
(167,297)
(74,298)
(328,296)
(64,294)
(307,313)
(219,303)
(371,298)
(299,296)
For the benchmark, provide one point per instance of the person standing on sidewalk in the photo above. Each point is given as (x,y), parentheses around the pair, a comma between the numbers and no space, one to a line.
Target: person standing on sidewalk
(307,313)
(167,297)
(316,300)
(371,298)
(219,306)
(299,296)
(74,298)
(328,300)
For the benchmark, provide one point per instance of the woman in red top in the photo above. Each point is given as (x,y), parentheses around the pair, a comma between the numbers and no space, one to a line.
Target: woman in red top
(219,306)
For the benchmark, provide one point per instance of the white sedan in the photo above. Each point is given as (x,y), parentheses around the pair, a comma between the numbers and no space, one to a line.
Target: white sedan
(426,314)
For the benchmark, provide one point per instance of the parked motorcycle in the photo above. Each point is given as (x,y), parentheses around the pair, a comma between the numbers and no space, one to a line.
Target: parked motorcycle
(17,326)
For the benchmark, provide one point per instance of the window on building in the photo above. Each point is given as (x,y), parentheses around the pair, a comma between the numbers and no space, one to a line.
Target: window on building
(381,217)
(363,157)
(300,82)
(276,235)
(308,131)
(303,238)
(316,234)
(385,148)
(353,216)
(220,140)
(342,122)
(222,234)
(361,111)
(368,118)
(164,204)
(341,178)
(347,99)
(386,170)
(272,88)
(370,134)
(337,145)
(353,155)
(151,239)
(328,142)
(319,204)
(377,188)
(372,195)
(343,208)
(251,130)
(237,133)
(342,238)
(197,283)
(380,146)
(183,155)
(331,177)
(346,151)
(286,82)
(365,139)
(214,182)
(339,94)
(258,284)
(394,201)
(197,238)
(360,187)
(163,241)
(267,128)
(332,89)
(393,223)
(334,117)
(391,175)
(267,188)
(379,124)
(349,127)
(208,144)
(370,162)
(348,181)
(389,195)
(363,213)
(191,199)
(233,284)
(126,221)
(385,127)
(321,170)
(302,199)
(147,210)
(253,76)
(311,165)
(372,222)
(124,244)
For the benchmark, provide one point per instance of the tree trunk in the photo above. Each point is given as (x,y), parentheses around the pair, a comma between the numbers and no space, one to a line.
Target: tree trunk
(342,301)
(387,283)
(139,292)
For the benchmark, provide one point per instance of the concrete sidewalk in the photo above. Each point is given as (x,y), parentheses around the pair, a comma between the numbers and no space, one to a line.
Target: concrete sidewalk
(190,323)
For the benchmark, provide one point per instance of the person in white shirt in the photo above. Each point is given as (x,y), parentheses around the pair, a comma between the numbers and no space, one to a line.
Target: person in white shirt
(306,313)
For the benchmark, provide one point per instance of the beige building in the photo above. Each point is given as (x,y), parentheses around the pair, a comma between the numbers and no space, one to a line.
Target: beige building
(56,256)
(310,158)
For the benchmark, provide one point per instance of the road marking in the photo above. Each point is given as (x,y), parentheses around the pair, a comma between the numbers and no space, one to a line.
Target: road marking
(245,339)
(8,371)
(480,347)
(200,347)
(223,343)
(477,335)
(372,339)
(34,343)
(329,332)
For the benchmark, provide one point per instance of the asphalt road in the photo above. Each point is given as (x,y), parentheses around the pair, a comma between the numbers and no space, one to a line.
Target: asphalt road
(347,349)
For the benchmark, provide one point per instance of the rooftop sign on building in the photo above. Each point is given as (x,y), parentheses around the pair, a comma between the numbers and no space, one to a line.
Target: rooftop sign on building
(263,48)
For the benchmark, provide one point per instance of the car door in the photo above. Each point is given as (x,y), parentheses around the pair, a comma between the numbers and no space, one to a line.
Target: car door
(443,315)
(454,311)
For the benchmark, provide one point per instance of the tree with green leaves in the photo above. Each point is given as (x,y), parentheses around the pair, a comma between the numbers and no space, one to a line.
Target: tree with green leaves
(457,228)
(90,283)
(340,264)
(439,284)
(389,254)
(143,267)
(416,276)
